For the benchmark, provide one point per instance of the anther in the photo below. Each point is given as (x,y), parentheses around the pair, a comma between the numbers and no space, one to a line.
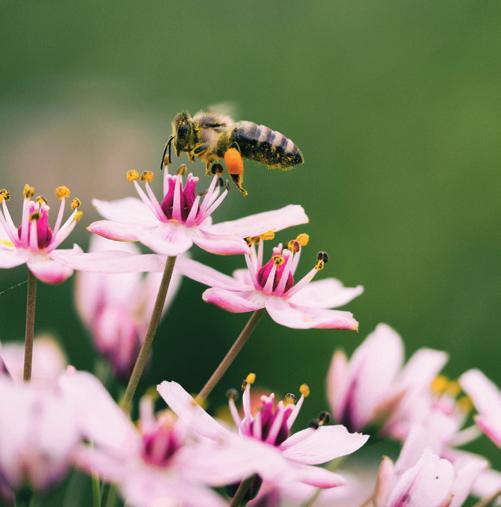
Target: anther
(250,241)
(322,259)
(290,399)
(278,260)
(78,216)
(76,203)
(132,175)
(41,200)
(62,192)
(303,239)
(35,216)
(250,379)
(304,389)
(465,404)
(324,418)
(217,169)
(267,236)
(147,176)
(453,388)
(4,195)
(294,245)
(439,384)
(182,169)
(28,191)
(314,424)
(232,394)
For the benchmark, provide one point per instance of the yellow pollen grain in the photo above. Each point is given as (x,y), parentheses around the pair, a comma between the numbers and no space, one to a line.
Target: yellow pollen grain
(28,191)
(78,216)
(147,176)
(76,203)
(132,175)
(439,384)
(304,389)
(465,404)
(303,239)
(62,192)
(251,378)
(278,260)
(267,236)
(4,195)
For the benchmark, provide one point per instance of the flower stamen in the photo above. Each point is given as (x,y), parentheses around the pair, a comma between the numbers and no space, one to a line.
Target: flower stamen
(132,175)
(28,191)
(4,195)
(62,192)
(147,176)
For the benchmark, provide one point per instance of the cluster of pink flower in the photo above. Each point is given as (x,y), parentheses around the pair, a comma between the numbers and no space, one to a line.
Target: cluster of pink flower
(54,417)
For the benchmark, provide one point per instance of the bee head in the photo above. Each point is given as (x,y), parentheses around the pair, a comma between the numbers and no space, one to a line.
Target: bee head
(183,131)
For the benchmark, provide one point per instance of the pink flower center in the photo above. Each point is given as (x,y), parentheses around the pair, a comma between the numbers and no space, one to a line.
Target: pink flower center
(279,262)
(186,197)
(159,446)
(44,231)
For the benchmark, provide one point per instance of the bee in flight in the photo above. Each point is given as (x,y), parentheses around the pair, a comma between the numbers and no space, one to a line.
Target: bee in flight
(211,136)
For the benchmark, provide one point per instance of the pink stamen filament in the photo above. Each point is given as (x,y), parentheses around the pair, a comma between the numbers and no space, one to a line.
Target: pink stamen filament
(177,213)
(146,200)
(64,231)
(6,220)
(268,287)
(295,412)
(154,200)
(234,412)
(213,207)
(246,402)
(285,273)
(25,221)
(33,235)
(60,214)
(277,424)
(302,283)
(257,429)
(192,215)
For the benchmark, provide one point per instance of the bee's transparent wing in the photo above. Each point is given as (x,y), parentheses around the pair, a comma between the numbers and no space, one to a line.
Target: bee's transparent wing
(228,108)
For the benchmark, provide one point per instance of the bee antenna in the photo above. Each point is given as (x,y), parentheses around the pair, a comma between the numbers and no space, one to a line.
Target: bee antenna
(167,149)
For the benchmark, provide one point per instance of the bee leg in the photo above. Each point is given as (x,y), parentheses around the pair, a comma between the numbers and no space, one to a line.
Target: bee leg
(208,168)
(238,180)
(235,164)
(167,154)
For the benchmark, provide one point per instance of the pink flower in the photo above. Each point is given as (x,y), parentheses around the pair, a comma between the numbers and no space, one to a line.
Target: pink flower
(374,384)
(157,462)
(183,217)
(265,444)
(49,360)
(35,242)
(487,400)
(302,305)
(116,308)
(38,435)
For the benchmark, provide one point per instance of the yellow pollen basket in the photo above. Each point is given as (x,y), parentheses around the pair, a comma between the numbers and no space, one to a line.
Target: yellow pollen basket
(278,260)
(62,192)
(304,389)
(132,175)
(76,203)
(147,176)
(28,191)
(4,195)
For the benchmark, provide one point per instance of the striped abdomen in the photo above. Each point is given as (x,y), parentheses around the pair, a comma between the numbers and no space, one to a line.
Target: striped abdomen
(266,146)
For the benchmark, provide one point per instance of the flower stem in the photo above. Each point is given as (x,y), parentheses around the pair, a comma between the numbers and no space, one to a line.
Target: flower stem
(231,354)
(31,297)
(145,350)
(241,491)
(96,491)
(489,501)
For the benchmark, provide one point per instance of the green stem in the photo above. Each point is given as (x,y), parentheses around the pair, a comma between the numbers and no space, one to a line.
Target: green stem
(96,491)
(144,353)
(489,501)
(111,500)
(31,297)
(231,354)
(241,492)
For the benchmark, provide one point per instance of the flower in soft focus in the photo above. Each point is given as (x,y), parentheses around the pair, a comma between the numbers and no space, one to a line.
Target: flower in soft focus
(374,385)
(182,217)
(35,242)
(265,443)
(303,304)
(487,400)
(38,435)
(49,360)
(116,308)
(421,477)
(158,462)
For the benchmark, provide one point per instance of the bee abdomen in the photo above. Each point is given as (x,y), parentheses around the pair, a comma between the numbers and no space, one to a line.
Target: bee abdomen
(267,146)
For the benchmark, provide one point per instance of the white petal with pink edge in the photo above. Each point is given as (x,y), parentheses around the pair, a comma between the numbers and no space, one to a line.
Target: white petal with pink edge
(116,231)
(326,443)
(259,223)
(129,210)
(48,269)
(233,301)
(326,293)
(218,244)
(167,238)
(302,317)
(10,258)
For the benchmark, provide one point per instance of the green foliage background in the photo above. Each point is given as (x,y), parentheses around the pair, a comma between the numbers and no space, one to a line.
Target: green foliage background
(395,105)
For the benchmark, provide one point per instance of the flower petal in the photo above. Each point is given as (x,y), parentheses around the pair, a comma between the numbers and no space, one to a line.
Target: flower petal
(48,269)
(234,301)
(326,293)
(316,476)
(167,238)
(313,447)
(11,258)
(186,408)
(335,382)
(259,223)
(207,275)
(466,476)
(116,231)
(219,244)
(302,317)
(130,210)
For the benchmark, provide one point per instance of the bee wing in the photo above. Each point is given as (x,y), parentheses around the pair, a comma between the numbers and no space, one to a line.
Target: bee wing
(228,108)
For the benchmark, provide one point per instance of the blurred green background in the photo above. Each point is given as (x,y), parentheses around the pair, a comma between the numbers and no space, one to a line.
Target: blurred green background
(395,105)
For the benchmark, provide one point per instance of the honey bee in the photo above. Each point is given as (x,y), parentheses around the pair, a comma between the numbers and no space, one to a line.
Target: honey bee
(212,136)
